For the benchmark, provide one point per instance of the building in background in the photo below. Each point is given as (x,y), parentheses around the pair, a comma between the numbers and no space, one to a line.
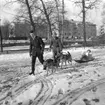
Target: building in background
(23,29)
(90,30)
(74,30)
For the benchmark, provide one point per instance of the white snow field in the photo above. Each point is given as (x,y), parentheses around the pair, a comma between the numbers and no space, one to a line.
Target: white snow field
(67,86)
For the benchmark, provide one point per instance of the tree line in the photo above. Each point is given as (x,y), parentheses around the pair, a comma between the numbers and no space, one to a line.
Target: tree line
(49,12)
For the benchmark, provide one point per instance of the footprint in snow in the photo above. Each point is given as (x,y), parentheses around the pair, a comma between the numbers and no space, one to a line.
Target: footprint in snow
(64,103)
(20,103)
(96,100)
(69,83)
(30,102)
(94,89)
(87,102)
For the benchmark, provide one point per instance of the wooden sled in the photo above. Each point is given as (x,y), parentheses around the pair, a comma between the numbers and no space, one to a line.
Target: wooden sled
(82,61)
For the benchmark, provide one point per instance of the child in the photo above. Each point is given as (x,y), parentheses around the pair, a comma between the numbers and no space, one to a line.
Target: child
(87,55)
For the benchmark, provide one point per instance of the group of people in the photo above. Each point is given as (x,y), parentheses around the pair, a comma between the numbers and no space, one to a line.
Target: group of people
(37,49)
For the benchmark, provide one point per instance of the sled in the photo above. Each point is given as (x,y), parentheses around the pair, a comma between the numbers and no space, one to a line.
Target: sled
(83,61)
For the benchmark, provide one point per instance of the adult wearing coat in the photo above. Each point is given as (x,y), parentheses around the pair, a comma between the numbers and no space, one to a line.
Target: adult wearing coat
(36,49)
(56,45)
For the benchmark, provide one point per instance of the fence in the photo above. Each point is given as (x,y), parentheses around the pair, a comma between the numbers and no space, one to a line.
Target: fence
(66,43)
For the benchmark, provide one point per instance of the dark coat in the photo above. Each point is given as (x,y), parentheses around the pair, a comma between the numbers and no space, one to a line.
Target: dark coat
(36,45)
(56,44)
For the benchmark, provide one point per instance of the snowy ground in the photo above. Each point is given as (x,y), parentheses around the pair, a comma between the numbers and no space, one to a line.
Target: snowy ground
(25,47)
(68,86)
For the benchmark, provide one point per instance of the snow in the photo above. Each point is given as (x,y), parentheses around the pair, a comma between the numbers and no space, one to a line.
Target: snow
(14,69)
(27,95)
(91,95)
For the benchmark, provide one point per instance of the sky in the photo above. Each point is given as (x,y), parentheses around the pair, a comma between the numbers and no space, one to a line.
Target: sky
(7,12)
(94,16)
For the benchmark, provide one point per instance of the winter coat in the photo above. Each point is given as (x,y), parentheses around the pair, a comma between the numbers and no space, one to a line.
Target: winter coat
(36,45)
(56,44)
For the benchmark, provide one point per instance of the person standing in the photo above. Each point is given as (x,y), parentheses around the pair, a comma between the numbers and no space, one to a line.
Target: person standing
(36,49)
(56,45)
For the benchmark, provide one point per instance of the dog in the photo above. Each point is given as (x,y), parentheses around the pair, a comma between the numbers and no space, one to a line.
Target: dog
(65,58)
(50,64)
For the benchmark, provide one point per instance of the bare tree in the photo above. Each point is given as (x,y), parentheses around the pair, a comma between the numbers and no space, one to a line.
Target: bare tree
(84,26)
(38,11)
(58,14)
(86,5)
(103,14)
(30,14)
(1,40)
(62,20)
(47,17)
(5,29)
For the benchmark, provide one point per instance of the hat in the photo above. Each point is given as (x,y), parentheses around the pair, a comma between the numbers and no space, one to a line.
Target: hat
(89,50)
(31,31)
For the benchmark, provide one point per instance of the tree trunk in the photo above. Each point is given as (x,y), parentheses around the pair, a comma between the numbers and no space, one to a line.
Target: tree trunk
(62,21)
(30,15)
(56,1)
(1,40)
(84,25)
(48,20)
